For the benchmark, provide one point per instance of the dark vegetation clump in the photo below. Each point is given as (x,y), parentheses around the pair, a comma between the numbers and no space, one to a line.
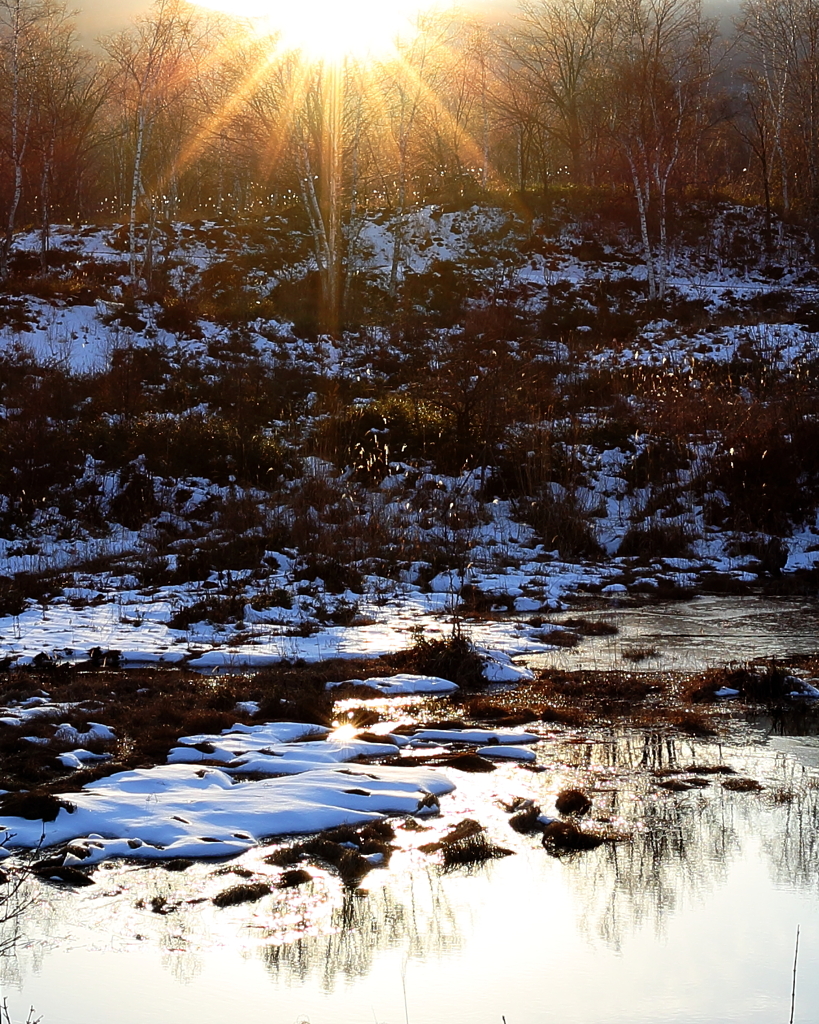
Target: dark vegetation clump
(609,693)
(527,819)
(176,864)
(691,722)
(591,627)
(65,874)
(682,785)
(484,709)
(346,849)
(763,683)
(638,654)
(559,638)
(244,892)
(657,539)
(562,523)
(568,715)
(465,843)
(742,785)
(562,837)
(293,877)
(573,801)
(464,761)
(454,658)
(34,806)
(215,609)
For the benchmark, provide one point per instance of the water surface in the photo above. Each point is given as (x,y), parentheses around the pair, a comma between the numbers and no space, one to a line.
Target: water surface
(689,636)
(691,920)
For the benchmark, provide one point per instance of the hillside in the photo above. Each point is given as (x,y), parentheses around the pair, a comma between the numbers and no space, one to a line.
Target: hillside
(198,473)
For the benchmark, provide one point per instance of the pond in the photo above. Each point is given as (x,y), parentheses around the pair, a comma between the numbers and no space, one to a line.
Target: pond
(688,636)
(691,918)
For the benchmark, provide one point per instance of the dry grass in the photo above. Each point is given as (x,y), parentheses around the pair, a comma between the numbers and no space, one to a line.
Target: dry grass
(645,699)
(345,849)
(765,682)
(742,785)
(561,837)
(465,843)
(244,892)
(148,710)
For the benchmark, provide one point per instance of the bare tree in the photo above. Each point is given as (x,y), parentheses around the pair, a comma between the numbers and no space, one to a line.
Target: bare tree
(22,33)
(660,61)
(152,63)
(557,45)
(781,38)
(756,125)
(69,94)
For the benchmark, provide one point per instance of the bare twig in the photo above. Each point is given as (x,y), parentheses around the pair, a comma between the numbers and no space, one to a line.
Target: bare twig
(793,988)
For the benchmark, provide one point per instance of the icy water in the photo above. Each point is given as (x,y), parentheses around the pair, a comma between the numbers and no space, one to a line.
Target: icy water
(691,919)
(692,635)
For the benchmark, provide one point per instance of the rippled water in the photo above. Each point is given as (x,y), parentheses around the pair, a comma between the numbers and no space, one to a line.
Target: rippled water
(691,920)
(693,635)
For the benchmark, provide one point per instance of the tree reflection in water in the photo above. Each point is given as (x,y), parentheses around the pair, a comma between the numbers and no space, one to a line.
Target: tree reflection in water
(413,915)
(681,847)
(682,843)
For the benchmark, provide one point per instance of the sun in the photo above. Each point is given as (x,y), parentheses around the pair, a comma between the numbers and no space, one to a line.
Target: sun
(330,30)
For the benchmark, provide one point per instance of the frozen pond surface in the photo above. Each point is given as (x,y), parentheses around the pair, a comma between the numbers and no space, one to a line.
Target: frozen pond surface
(692,635)
(692,920)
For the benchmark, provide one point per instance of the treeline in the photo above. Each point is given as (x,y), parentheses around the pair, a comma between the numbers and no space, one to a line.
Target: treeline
(186,114)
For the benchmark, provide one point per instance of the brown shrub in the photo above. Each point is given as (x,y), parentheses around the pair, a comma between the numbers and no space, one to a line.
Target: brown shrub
(742,785)
(565,837)
(572,801)
(244,892)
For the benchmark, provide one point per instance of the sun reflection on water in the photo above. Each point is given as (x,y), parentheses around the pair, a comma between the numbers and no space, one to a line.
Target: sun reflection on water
(619,915)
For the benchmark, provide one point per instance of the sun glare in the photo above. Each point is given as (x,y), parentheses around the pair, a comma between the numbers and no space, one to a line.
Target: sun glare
(330,30)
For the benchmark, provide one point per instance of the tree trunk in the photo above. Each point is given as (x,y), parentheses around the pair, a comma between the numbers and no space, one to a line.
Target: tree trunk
(45,207)
(136,191)
(642,194)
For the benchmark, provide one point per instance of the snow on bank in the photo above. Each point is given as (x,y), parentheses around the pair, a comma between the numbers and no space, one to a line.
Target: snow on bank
(136,624)
(192,810)
(110,610)
(499,736)
(403,683)
(209,800)
(507,753)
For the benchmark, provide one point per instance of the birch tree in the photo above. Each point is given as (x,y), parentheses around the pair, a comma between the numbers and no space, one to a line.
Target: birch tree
(660,60)
(782,41)
(152,63)
(21,36)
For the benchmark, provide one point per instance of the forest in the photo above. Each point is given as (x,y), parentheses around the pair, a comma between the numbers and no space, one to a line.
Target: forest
(191,114)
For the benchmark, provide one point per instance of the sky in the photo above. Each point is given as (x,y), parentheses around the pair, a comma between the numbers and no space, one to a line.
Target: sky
(101,17)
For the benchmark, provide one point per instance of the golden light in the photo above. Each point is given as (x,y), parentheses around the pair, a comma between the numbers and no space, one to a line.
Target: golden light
(330,30)
(343,732)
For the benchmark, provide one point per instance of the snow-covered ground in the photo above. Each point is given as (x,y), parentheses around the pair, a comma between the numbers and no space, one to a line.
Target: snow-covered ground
(102,600)
(221,794)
